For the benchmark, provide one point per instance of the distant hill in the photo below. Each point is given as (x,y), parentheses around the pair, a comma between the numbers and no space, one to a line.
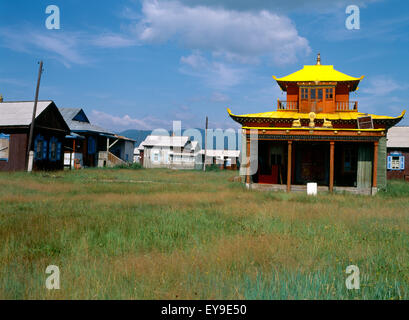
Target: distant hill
(140,135)
(137,135)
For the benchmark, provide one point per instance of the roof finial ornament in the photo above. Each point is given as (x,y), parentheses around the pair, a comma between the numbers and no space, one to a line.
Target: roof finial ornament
(318,59)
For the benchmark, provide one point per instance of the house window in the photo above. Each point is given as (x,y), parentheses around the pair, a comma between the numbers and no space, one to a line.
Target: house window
(40,148)
(4,147)
(52,154)
(329,93)
(396,161)
(156,157)
(54,150)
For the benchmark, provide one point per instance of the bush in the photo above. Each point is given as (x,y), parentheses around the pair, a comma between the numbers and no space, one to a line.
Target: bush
(213,167)
(134,166)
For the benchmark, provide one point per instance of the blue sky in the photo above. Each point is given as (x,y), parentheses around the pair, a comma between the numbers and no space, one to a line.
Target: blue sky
(134,64)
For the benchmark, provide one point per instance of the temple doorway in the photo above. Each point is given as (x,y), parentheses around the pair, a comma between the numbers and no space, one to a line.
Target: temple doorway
(311,163)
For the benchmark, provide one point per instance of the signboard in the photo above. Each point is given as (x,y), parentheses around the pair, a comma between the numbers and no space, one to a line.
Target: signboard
(365,122)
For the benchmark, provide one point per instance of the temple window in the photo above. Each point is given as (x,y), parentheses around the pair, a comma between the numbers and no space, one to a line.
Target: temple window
(304,93)
(329,93)
(319,94)
(312,94)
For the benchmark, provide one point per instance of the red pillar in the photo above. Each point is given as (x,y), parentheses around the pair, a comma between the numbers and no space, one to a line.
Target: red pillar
(248,160)
(331,166)
(289,162)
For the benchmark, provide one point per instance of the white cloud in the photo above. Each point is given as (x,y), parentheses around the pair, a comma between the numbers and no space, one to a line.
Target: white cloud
(382,86)
(216,74)
(112,40)
(120,123)
(381,96)
(219,97)
(195,61)
(183,113)
(244,36)
(236,35)
(282,6)
(65,47)
(62,46)
(14,82)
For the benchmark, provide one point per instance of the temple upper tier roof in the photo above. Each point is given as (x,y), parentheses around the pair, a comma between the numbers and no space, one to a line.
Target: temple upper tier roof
(318,73)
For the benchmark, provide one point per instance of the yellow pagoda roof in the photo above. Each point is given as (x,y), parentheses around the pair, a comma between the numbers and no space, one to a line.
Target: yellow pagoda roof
(344,115)
(317,73)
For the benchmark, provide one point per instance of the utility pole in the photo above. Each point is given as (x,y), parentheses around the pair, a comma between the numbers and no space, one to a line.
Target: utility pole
(30,137)
(204,162)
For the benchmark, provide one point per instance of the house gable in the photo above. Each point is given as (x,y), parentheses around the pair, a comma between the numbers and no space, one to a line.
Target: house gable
(52,119)
(81,117)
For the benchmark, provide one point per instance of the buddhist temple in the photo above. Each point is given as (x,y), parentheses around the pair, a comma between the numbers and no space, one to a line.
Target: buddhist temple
(317,134)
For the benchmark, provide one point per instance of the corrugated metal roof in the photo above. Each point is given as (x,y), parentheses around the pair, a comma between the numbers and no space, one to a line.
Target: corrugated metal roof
(398,137)
(141,146)
(69,113)
(222,153)
(165,141)
(124,138)
(19,113)
(74,135)
(80,126)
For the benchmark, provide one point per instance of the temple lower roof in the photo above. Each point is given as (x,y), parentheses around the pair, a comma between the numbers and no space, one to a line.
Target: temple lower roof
(290,115)
(344,115)
(314,128)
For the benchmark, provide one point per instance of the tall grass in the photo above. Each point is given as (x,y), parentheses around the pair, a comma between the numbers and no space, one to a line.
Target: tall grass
(396,188)
(166,234)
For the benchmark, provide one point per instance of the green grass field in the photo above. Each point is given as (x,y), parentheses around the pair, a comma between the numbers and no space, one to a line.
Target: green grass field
(163,234)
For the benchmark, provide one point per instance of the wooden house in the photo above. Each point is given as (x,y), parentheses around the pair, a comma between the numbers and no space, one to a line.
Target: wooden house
(137,155)
(176,152)
(49,132)
(398,153)
(89,145)
(224,159)
(317,134)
